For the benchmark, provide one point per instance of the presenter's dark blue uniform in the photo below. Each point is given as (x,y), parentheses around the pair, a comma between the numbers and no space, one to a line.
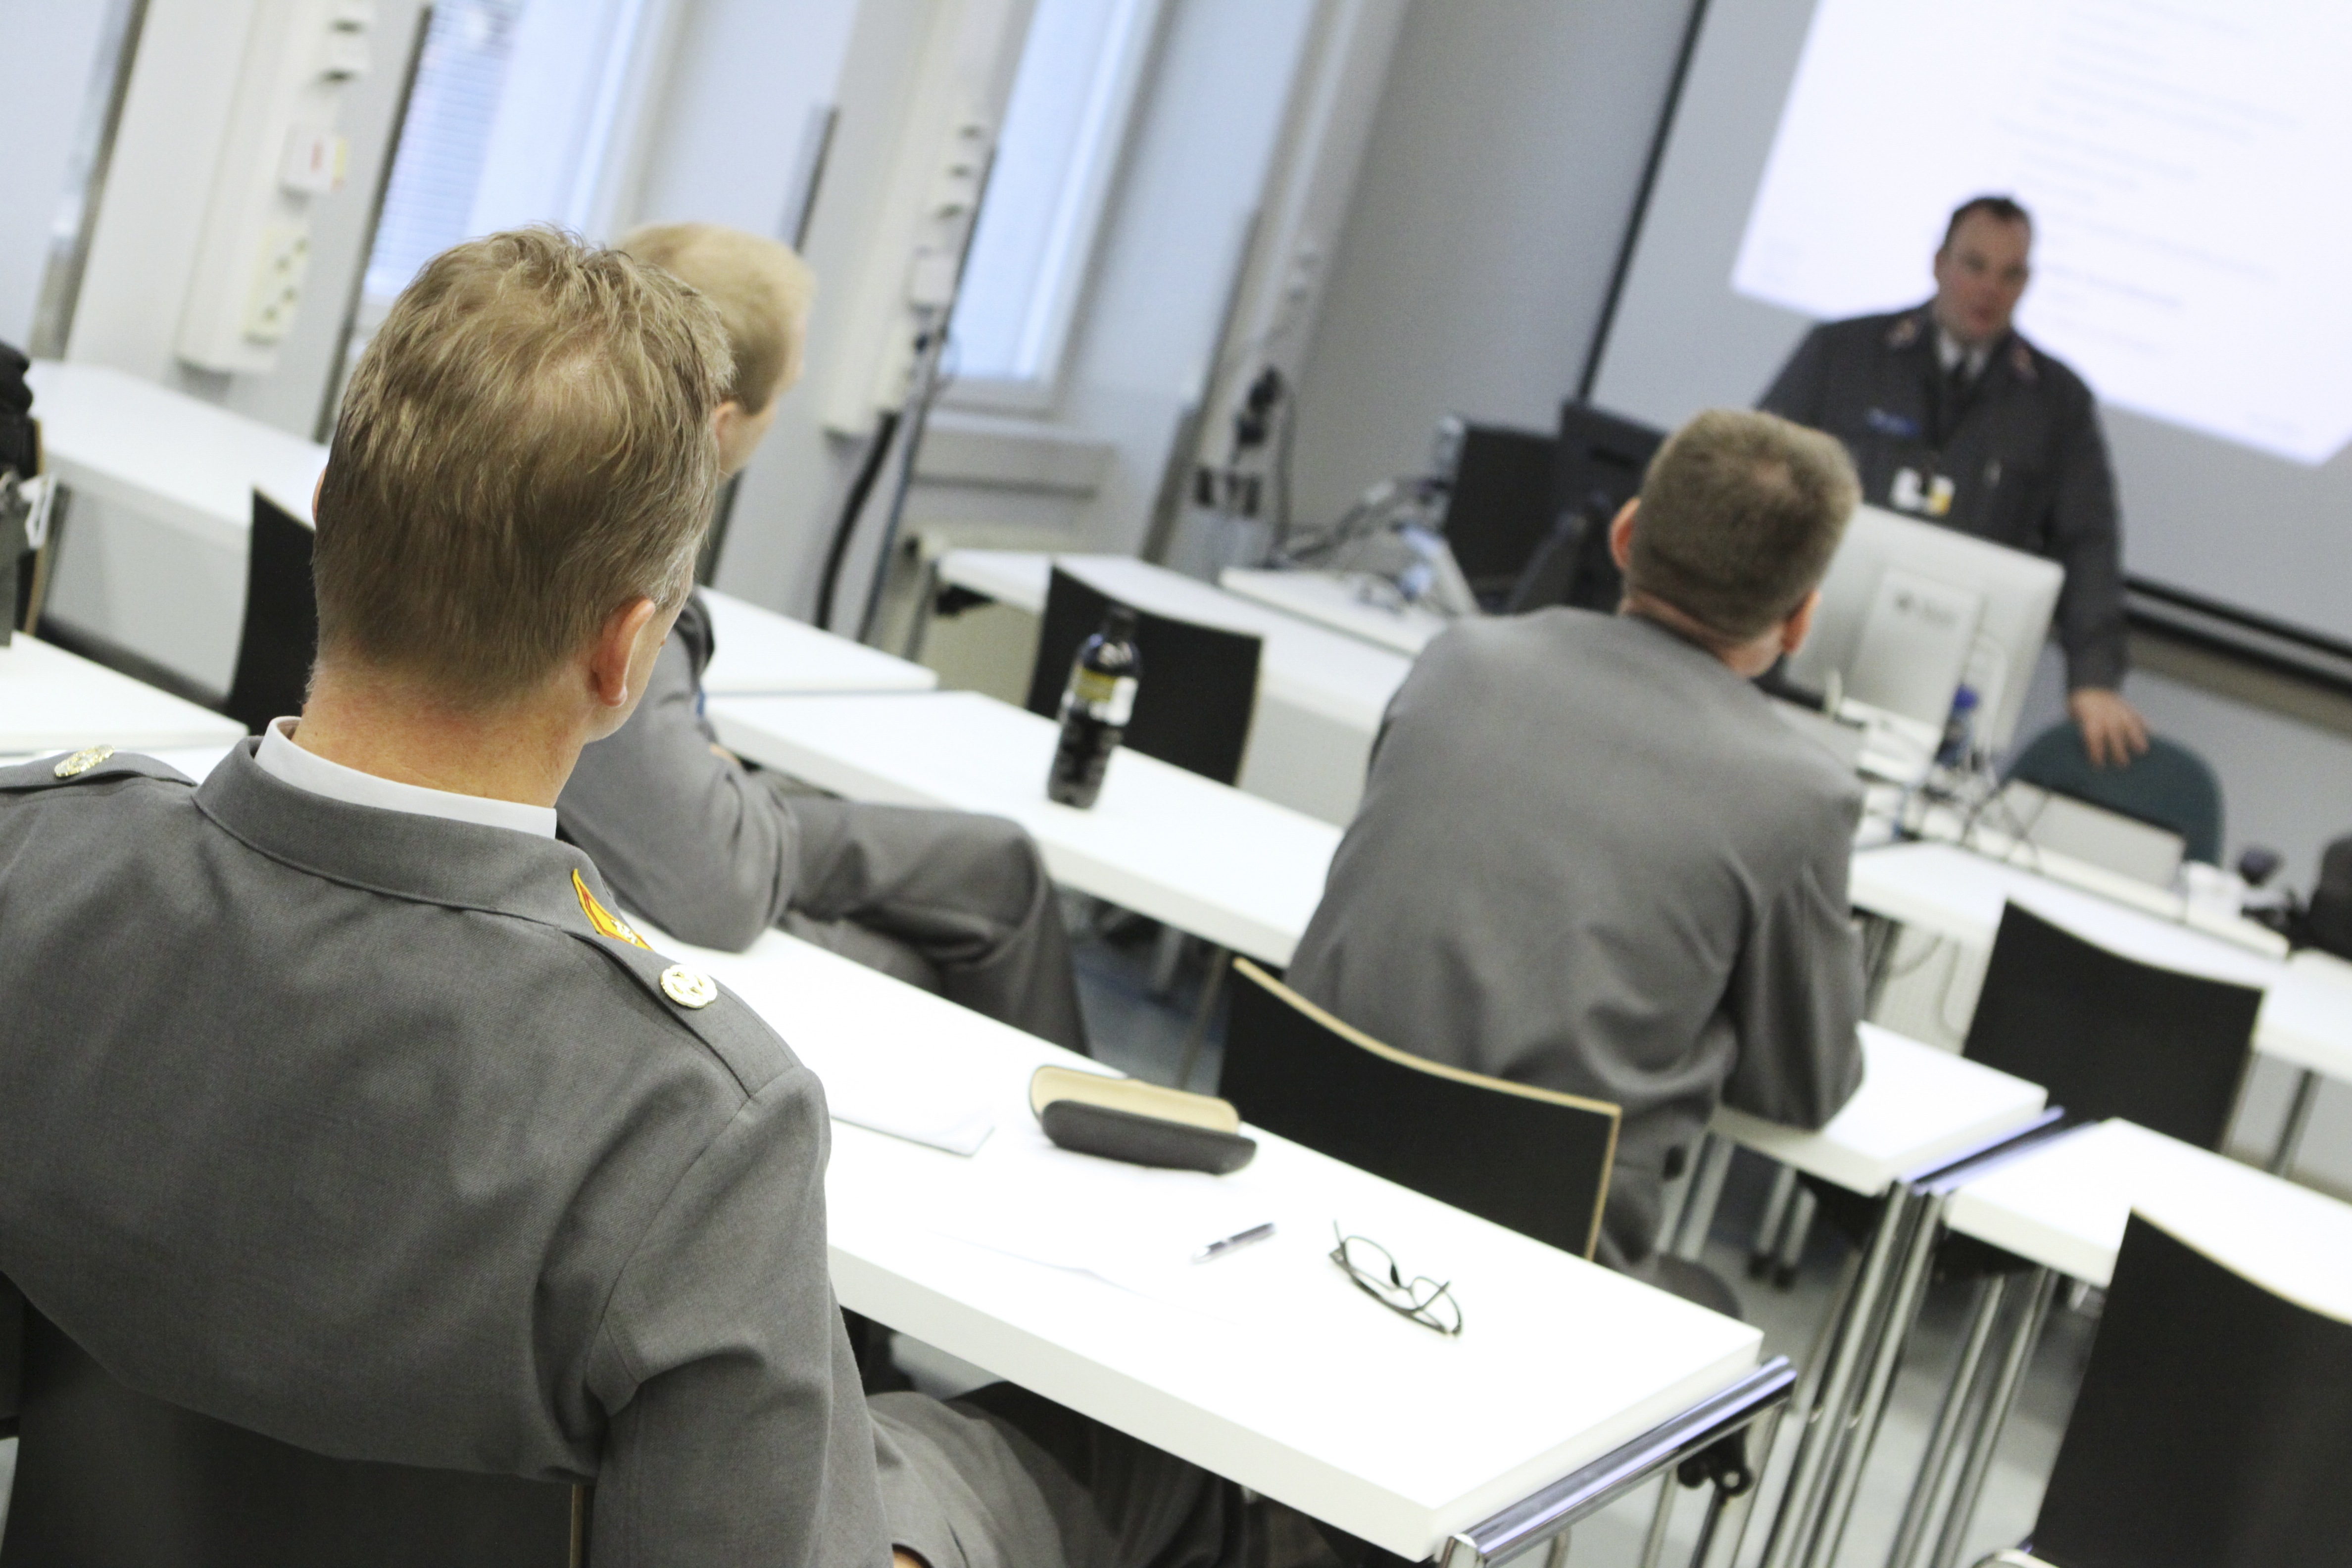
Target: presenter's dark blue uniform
(2014,456)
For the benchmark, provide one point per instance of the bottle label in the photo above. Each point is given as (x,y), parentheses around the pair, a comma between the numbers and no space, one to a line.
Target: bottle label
(1109,698)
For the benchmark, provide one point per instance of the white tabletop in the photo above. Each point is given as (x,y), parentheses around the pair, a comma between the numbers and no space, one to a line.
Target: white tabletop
(1346,601)
(1242,872)
(1916,1105)
(1305,665)
(760,652)
(166,455)
(2065,1203)
(1957,894)
(52,700)
(1267,1366)
(2307,1016)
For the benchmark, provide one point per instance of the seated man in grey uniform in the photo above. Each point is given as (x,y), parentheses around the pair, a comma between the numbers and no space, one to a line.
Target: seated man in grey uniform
(713,853)
(337,1104)
(1590,857)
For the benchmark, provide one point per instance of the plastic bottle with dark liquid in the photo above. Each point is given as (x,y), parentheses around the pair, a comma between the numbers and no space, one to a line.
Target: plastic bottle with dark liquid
(1095,709)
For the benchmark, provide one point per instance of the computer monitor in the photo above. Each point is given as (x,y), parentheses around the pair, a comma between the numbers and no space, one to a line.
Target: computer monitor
(1499,501)
(1909,611)
(1600,459)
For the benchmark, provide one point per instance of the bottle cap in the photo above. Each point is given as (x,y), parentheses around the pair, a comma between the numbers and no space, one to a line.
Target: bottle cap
(1118,621)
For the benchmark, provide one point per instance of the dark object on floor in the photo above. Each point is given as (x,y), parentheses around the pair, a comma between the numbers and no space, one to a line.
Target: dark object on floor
(2168,786)
(2209,1432)
(107,1476)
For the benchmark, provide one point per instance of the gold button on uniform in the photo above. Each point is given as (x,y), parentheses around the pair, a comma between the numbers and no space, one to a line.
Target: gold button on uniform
(81,762)
(688,987)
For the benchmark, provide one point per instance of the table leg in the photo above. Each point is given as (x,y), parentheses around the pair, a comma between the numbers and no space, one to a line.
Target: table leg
(1212,990)
(1879,935)
(1705,1192)
(1992,1418)
(1991,1292)
(1732,1531)
(1556,1554)
(1870,1410)
(2299,1116)
(1767,1229)
(1654,1545)
(1792,1527)
(1791,1253)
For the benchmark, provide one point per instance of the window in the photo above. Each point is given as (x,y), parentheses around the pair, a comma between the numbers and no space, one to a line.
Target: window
(516,116)
(1065,128)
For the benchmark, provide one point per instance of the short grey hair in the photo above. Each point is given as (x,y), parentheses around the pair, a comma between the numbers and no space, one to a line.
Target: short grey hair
(1740,514)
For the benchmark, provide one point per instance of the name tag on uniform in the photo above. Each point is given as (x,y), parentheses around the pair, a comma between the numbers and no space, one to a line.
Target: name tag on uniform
(1929,497)
(1894,424)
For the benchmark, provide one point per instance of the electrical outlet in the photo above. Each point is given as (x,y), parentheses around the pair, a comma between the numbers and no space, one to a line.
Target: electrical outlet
(281,265)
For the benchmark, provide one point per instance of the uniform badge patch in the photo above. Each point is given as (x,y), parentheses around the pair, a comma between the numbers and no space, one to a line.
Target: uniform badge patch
(81,762)
(688,987)
(607,922)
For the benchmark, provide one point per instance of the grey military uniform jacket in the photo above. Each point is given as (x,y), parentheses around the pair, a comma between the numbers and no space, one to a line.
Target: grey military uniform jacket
(1589,857)
(2022,448)
(366,1130)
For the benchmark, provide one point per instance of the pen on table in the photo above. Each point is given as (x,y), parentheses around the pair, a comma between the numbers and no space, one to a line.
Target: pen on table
(1239,1238)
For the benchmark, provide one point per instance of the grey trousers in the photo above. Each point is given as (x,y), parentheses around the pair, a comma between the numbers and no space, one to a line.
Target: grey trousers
(1030,1484)
(957,903)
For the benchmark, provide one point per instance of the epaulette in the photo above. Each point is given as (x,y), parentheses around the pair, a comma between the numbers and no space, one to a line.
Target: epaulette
(2021,360)
(1904,332)
(91,764)
(736,1035)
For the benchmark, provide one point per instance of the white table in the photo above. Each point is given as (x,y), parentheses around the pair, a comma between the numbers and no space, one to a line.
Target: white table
(153,550)
(1321,694)
(760,653)
(1268,1367)
(1347,601)
(2062,1204)
(52,700)
(1241,872)
(1917,1108)
(2305,1021)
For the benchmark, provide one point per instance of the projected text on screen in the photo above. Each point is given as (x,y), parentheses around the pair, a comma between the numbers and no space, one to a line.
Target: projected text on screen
(2188,162)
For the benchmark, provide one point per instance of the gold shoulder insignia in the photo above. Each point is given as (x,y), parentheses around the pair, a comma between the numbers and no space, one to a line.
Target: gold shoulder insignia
(1904,333)
(2021,360)
(690,988)
(607,922)
(81,762)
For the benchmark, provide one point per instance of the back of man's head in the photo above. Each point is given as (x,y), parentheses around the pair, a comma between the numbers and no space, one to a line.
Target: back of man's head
(1740,514)
(525,447)
(760,288)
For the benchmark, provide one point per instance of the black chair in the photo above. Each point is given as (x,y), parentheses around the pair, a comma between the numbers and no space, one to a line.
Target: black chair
(2109,1037)
(281,620)
(108,1477)
(1199,687)
(2211,1429)
(1532,1159)
(1603,458)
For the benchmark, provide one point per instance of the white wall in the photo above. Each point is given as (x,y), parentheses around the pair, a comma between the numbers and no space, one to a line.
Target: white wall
(1503,167)
(52,53)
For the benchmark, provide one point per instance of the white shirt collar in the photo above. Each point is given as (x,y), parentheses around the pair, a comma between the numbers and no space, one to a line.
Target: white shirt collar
(284,761)
(1948,353)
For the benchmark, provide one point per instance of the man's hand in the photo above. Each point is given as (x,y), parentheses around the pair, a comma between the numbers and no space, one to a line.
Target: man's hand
(2113,730)
(902,1558)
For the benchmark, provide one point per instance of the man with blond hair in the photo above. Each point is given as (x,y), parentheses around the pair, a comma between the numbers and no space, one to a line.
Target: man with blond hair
(1590,857)
(714,853)
(337,1103)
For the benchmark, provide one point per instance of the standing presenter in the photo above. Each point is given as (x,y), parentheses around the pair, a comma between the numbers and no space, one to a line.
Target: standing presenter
(1954,417)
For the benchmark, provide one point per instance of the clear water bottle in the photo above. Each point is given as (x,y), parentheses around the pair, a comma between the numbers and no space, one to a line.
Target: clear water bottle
(1096,706)
(1959,729)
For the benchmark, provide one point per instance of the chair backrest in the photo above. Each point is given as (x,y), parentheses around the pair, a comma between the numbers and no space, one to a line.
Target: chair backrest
(1532,1159)
(281,619)
(2169,785)
(2110,1037)
(2211,1428)
(1199,685)
(107,1476)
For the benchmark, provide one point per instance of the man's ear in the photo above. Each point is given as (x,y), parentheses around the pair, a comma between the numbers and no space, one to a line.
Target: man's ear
(1800,624)
(1620,533)
(613,658)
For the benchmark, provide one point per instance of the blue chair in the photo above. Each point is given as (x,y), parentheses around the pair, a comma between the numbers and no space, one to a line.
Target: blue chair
(2168,785)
